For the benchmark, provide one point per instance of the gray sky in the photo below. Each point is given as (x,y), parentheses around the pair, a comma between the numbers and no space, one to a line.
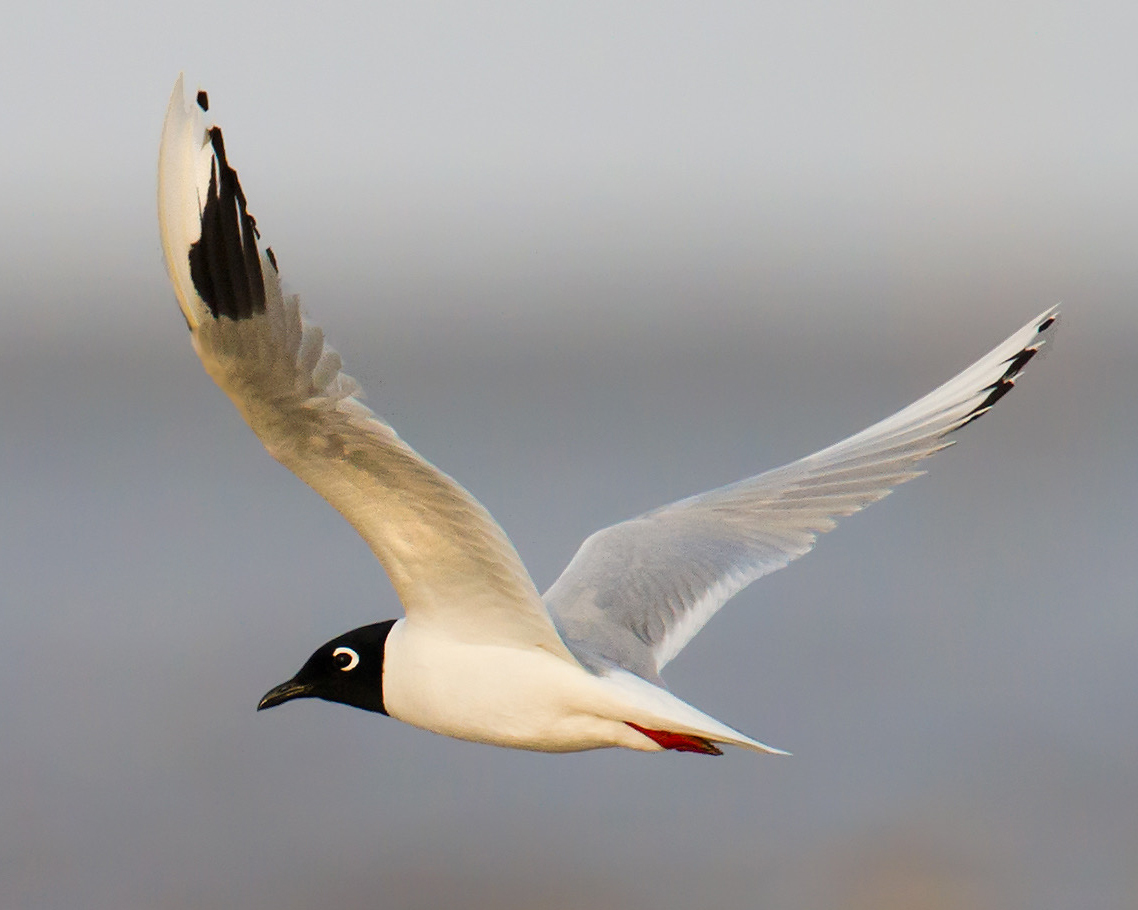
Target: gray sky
(419,146)
(588,259)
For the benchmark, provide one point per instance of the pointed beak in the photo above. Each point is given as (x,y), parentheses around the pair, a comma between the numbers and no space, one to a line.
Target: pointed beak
(286,691)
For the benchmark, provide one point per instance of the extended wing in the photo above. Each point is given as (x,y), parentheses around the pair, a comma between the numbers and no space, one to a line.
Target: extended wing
(451,564)
(637,592)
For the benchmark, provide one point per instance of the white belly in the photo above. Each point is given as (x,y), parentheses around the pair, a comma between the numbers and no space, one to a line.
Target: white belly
(525,699)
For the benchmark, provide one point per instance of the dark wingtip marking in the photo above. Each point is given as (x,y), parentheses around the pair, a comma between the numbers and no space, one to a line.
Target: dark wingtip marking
(225,265)
(1017,363)
(272,258)
(1006,383)
(203,100)
(678,742)
(996,391)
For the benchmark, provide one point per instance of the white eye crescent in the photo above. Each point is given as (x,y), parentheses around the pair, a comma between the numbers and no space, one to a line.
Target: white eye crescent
(352,658)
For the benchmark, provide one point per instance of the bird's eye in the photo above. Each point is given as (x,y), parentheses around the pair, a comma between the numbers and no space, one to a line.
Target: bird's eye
(345,658)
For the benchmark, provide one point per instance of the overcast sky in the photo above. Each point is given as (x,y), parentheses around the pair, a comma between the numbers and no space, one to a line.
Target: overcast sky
(588,258)
(419,145)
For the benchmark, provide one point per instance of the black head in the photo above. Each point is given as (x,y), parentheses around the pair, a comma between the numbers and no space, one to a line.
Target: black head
(348,669)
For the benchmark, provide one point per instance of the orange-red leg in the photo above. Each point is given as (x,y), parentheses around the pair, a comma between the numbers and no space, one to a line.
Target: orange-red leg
(678,742)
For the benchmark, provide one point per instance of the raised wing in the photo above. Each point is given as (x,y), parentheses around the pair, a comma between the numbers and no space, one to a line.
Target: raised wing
(637,592)
(451,564)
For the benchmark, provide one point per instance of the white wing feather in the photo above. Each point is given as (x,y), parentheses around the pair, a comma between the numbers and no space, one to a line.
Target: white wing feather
(638,591)
(450,563)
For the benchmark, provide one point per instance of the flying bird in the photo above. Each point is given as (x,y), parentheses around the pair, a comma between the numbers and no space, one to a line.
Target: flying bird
(481,655)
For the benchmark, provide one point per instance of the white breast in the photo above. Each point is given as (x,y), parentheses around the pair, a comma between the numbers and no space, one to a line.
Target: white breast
(521,698)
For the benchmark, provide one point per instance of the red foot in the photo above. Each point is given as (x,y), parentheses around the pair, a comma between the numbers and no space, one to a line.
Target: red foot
(678,742)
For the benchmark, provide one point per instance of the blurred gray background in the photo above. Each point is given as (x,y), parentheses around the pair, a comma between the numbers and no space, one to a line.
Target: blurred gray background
(588,258)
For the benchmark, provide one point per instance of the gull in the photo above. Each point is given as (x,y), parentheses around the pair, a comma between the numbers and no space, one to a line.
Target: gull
(480,655)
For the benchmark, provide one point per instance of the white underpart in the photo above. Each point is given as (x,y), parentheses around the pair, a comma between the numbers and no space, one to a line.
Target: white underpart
(526,699)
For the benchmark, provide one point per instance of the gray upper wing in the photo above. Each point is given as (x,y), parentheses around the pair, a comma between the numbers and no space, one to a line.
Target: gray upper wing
(637,592)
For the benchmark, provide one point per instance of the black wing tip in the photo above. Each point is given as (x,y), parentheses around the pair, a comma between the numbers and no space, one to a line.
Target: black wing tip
(203,99)
(997,389)
(1016,364)
(225,264)
(1019,361)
